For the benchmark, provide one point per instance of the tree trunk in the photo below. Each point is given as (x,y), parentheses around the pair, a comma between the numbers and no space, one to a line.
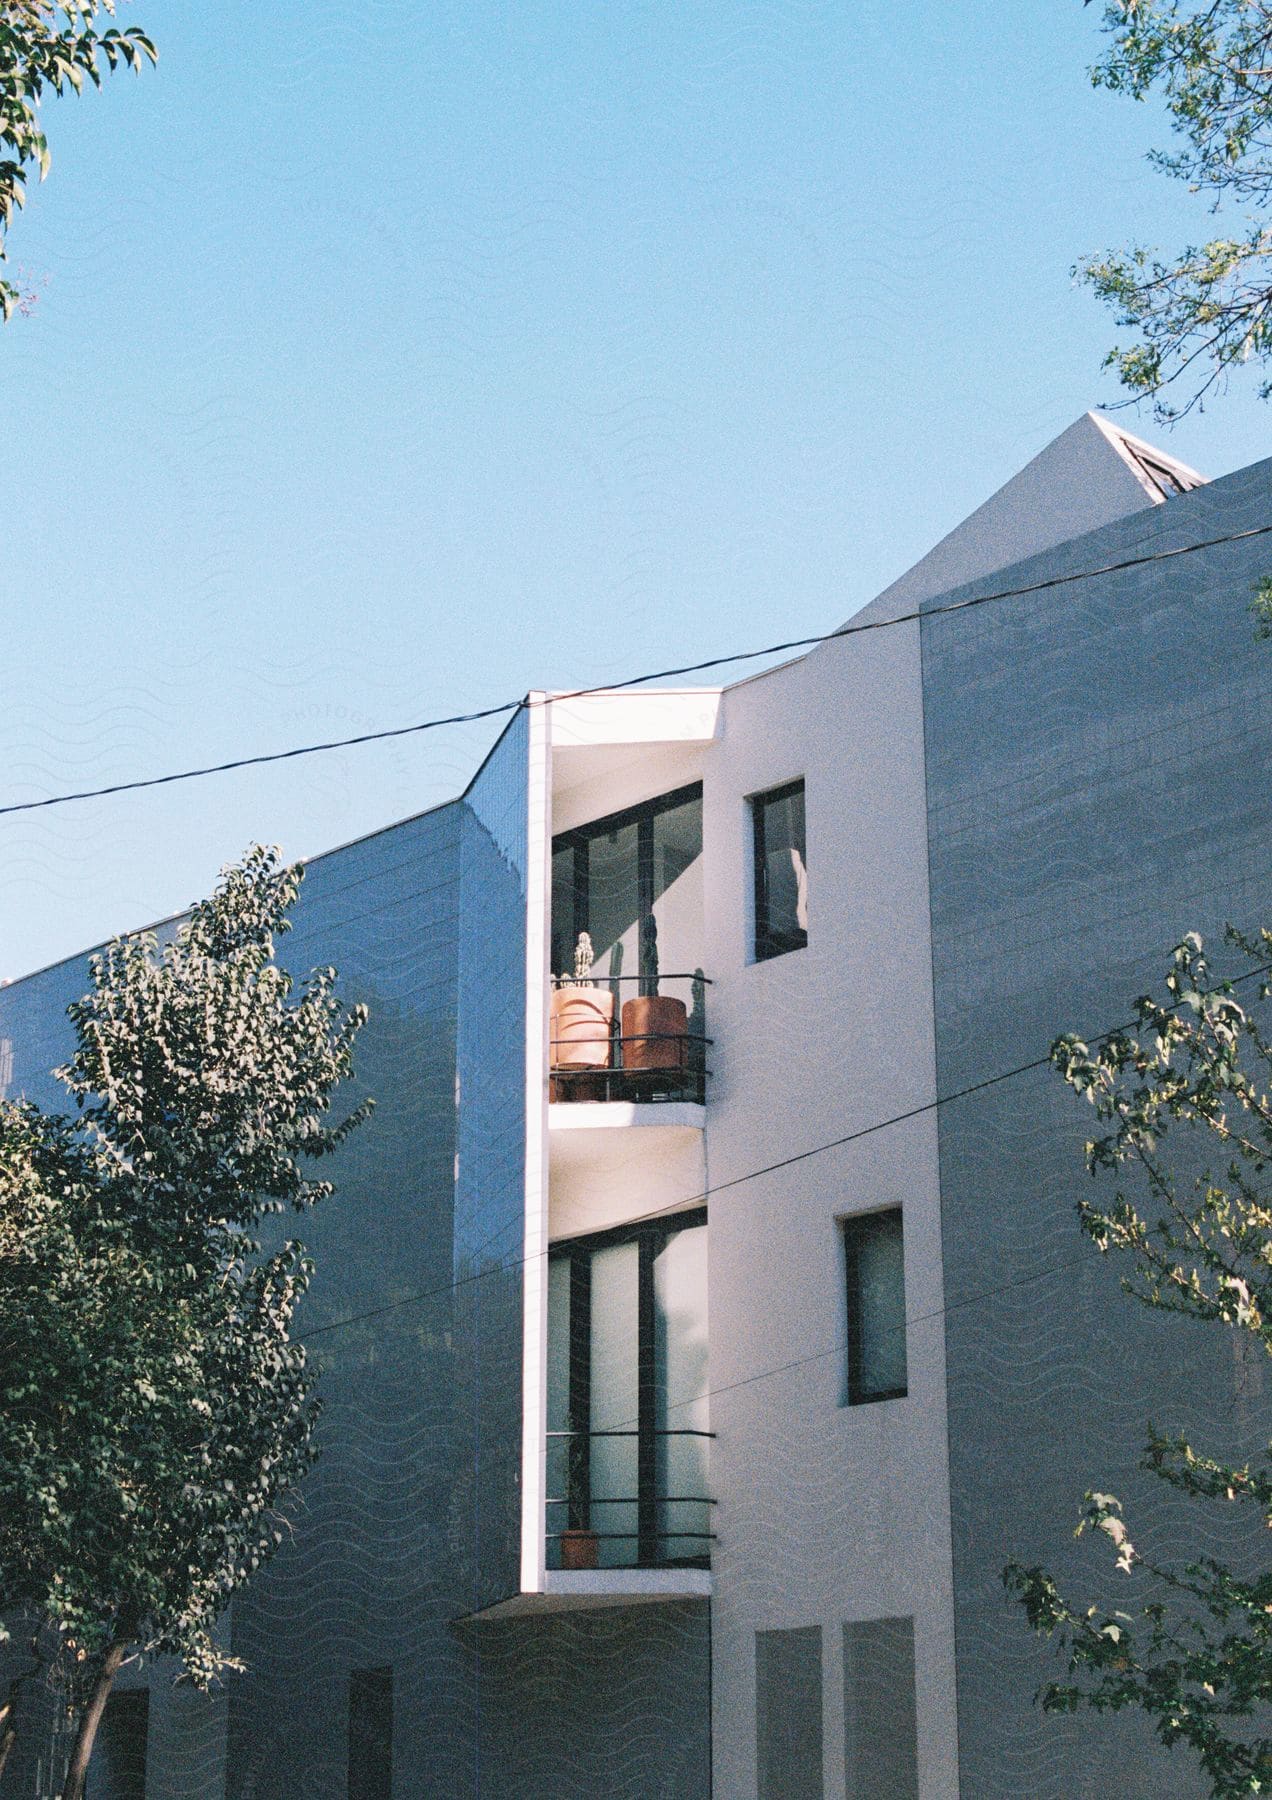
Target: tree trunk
(8,1737)
(90,1719)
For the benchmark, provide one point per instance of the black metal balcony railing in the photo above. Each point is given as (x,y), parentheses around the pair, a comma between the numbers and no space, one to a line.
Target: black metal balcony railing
(625,1037)
(660,1530)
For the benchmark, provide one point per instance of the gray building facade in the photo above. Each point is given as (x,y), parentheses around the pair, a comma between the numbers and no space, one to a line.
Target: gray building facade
(368,1675)
(1008,814)
(1097,775)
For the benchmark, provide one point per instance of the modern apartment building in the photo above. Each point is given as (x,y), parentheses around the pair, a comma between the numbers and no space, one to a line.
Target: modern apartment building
(701,1328)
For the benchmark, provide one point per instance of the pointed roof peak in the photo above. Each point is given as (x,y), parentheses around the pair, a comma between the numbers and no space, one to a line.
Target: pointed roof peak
(1160,474)
(1088,476)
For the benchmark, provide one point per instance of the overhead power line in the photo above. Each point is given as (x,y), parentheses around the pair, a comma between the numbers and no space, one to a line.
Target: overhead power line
(508,707)
(786,1162)
(691,1200)
(840,1348)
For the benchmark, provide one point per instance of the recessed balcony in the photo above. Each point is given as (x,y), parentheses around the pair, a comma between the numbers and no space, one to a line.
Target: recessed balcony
(628,1505)
(629,1039)
(649,1524)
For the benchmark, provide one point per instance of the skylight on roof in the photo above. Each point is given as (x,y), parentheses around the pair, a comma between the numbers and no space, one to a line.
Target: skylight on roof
(1169,478)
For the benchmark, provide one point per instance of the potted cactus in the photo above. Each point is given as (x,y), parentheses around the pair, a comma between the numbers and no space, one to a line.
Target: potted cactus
(582,1016)
(655,1027)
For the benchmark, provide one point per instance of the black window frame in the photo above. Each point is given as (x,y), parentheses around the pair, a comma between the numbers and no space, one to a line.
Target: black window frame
(766,944)
(579,839)
(854,1229)
(650,1236)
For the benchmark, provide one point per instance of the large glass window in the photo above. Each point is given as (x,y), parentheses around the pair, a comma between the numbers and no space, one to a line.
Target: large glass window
(874,1265)
(627,1397)
(633,882)
(781,871)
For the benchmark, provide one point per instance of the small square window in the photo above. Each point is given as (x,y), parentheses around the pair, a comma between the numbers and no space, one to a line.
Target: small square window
(874,1265)
(781,871)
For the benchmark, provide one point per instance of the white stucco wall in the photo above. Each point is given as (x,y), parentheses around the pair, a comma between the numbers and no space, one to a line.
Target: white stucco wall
(609,1174)
(826,1513)
(592,755)
(1084,478)
(534,1370)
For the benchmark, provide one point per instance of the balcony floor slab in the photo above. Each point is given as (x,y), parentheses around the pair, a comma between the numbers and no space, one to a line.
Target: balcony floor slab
(619,1115)
(571,1590)
(601,1175)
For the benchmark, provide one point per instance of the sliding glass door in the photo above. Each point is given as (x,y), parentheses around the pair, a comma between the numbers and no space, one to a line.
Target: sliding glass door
(628,1428)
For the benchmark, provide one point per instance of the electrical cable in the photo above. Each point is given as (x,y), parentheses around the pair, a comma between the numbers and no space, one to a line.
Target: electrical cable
(839,1349)
(525,704)
(786,1162)
(510,707)
(684,1205)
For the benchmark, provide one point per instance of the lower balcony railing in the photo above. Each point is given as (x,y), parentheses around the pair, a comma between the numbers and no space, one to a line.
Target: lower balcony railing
(613,1038)
(616,1515)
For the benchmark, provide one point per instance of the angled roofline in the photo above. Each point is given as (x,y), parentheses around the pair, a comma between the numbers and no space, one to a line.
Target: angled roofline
(1161,475)
(1158,475)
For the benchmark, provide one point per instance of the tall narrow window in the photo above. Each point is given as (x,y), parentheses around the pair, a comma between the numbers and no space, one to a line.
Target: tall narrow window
(370,1734)
(881,1760)
(781,871)
(788,1714)
(874,1267)
(118,1768)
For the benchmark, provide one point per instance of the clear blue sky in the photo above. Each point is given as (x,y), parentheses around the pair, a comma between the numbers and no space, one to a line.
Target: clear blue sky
(393,359)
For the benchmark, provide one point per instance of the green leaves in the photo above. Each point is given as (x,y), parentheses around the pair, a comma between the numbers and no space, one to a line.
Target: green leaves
(45,44)
(1202,312)
(1197,1658)
(1199,1061)
(197,1069)
(1261,609)
(1197,1666)
(155,1412)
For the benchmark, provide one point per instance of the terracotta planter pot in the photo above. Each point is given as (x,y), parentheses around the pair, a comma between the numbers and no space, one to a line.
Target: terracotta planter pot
(578,1549)
(655,1031)
(581,1022)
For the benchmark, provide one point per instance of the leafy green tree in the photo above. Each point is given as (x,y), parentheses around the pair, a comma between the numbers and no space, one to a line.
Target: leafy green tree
(48,45)
(1203,311)
(1197,1656)
(154,1409)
